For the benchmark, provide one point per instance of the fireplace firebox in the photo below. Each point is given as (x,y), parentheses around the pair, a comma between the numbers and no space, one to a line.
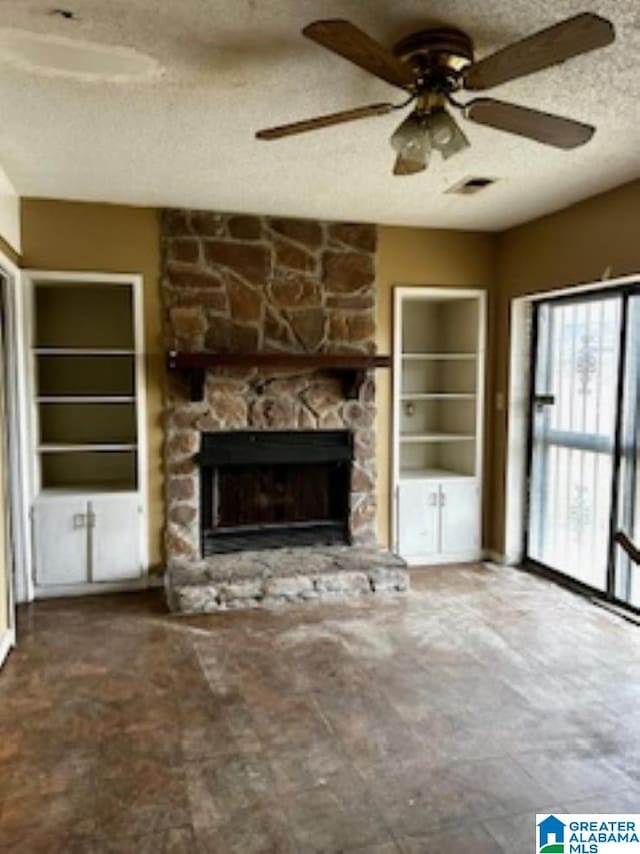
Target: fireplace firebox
(262,489)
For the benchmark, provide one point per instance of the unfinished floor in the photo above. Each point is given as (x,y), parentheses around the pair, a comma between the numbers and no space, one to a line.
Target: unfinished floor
(441,721)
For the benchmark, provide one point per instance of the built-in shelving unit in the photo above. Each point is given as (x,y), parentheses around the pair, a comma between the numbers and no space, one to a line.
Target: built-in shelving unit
(438,395)
(87,425)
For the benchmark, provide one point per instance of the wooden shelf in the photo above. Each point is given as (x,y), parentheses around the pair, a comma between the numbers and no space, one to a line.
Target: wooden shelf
(79,448)
(80,351)
(432,474)
(351,368)
(437,437)
(86,398)
(427,357)
(103,488)
(437,396)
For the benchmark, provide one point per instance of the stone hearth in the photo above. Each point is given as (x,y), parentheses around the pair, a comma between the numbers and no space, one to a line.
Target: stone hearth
(264,578)
(246,284)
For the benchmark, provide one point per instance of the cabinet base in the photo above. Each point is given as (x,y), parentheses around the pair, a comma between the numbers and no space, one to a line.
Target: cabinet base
(59,591)
(442,560)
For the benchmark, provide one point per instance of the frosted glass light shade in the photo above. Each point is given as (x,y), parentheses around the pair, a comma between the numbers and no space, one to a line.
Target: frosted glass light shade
(446,135)
(412,143)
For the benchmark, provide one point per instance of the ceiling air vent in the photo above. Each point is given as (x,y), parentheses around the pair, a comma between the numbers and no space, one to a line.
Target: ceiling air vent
(470,186)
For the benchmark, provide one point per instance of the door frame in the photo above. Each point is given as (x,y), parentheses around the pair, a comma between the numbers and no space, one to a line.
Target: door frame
(518,447)
(17,466)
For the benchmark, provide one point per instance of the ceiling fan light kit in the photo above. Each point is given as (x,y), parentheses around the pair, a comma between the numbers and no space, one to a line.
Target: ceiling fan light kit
(446,135)
(432,65)
(423,131)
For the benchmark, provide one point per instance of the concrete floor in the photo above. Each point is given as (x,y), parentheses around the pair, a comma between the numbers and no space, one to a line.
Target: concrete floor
(437,722)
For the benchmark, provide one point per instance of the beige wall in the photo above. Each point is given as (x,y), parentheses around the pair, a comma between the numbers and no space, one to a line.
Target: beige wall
(98,237)
(572,246)
(417,256)
(79,236)
(581,244)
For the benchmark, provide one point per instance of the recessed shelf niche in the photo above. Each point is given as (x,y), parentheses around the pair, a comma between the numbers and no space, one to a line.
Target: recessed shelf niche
(75,315)
(437,407)
(84,362)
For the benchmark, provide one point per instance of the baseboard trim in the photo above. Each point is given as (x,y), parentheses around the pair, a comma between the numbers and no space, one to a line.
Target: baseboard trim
(60,591)
(7,642)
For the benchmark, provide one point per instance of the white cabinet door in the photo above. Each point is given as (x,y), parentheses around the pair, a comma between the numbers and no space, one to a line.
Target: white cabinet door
(60,541)
(115,537)
(418,518)
(460,517)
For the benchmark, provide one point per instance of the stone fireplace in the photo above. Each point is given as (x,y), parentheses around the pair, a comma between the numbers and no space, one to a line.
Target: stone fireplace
(263,489)
(257,285)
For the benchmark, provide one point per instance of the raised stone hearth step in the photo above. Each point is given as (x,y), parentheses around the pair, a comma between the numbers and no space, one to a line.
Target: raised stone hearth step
(263,578)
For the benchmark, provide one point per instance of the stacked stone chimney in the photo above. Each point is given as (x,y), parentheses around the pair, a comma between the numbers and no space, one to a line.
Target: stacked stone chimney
(247,284)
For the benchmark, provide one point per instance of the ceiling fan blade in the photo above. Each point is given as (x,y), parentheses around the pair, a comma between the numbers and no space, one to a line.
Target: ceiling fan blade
(548,47)
(325,121)
(345,39)
(402,166)
(534,124)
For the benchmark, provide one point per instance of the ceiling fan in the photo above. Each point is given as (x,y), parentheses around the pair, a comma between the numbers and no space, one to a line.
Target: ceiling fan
(434,64)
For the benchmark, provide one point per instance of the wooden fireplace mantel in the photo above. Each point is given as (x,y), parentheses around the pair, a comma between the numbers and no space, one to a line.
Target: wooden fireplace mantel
(351,368)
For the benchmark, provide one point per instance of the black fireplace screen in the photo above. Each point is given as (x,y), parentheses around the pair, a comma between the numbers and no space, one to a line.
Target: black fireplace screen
(268,489)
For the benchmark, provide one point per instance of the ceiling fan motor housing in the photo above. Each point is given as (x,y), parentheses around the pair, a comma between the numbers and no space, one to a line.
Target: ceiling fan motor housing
(438,56)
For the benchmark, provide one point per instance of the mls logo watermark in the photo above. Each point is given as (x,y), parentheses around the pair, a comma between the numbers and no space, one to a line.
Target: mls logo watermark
(607,833)
(550,835)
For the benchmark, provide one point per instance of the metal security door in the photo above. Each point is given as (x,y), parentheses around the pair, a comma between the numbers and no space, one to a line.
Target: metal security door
(574,411)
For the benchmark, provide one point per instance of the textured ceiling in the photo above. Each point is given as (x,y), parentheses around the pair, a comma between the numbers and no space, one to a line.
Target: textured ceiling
(184,137)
